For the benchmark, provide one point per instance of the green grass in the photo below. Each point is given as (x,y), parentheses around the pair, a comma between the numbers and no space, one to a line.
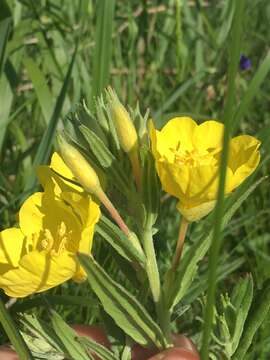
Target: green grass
(173,58)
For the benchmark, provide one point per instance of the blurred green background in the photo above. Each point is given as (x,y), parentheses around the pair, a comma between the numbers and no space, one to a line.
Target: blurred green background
(168,56)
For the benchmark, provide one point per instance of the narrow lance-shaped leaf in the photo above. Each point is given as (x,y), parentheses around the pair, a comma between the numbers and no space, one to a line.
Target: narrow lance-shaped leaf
(96,348)
(126,311)
(115,237)
(69,338)
(241,299)
(259,311)
(13,334)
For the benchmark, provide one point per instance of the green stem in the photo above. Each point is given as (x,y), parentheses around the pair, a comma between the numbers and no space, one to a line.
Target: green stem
(216,241)
(154,282)
(180,243)
(113,211)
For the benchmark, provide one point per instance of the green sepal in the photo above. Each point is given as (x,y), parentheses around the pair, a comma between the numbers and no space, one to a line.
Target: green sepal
(107,160)
(123,307)
(150,189)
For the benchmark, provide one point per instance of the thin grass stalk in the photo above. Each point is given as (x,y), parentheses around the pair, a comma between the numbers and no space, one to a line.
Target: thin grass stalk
(235,46)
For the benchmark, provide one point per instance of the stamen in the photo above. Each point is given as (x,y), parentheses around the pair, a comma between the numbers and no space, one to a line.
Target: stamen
(47,242)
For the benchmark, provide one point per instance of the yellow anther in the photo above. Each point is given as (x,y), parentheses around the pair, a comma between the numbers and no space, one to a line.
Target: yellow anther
(61,247)
(47,241)
(61,230)
(193,157)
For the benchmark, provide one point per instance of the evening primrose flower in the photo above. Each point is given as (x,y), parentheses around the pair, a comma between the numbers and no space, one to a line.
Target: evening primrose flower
(187,159)
(41,252)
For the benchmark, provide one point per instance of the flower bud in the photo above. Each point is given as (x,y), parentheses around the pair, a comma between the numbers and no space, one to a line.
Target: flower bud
(126,132)
(125,129)
(79,166)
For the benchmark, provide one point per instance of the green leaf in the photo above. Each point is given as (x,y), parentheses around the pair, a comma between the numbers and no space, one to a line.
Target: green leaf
(41,88)
(13,334)
(103,45)
(115,237)
(45,146)
(189,263)
(96,348)
(69,338)
(126,311)
(259,312)
(241,300)
(40,329)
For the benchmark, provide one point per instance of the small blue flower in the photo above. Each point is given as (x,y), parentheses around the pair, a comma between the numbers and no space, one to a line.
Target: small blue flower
(245,63)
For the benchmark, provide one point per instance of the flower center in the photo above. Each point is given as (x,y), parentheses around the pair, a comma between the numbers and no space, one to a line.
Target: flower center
(194,157)
(55,245)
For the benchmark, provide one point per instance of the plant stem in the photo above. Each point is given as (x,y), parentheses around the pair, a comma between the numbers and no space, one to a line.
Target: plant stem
(113,211)
(154,282)
(216,241)
(180,243)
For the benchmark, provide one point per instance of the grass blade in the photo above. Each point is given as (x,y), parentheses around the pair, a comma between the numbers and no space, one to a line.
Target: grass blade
(103,41)
(40,85)
(45,146)
(218,214)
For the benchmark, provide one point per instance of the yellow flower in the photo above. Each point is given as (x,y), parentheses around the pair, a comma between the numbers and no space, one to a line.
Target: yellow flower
(187,159)
(53,226)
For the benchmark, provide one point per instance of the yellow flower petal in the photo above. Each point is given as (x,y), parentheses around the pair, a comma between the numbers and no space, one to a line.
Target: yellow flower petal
(169,174)
(177,132)
(12,242)
(197,212)
(243,151)
(38,272)
(30,214)
(208,135)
